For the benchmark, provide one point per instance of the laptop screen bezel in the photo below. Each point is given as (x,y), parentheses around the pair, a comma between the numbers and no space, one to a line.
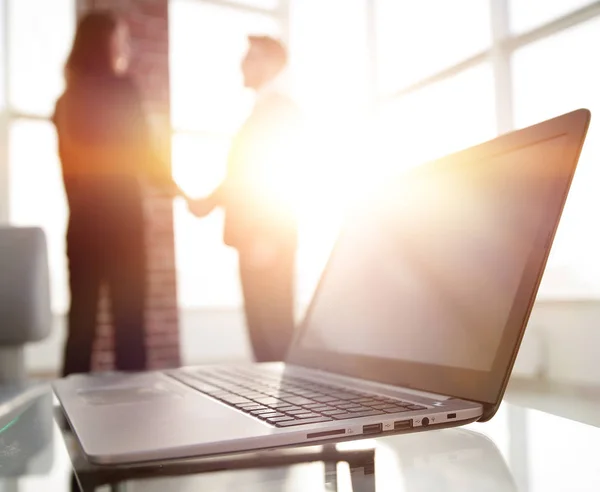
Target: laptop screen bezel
(481,386)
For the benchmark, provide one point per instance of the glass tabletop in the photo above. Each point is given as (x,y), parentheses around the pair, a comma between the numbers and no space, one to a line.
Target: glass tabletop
(520,449)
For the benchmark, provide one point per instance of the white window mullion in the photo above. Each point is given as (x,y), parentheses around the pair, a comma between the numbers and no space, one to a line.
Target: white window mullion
(500,57)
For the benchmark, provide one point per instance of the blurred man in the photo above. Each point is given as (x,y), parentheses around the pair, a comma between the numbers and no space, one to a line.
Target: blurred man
(257,195)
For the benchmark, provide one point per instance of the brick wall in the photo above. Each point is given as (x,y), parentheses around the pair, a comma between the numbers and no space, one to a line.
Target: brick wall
(148,22)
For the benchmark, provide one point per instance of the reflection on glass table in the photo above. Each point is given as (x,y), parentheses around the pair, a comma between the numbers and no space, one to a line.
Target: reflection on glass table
(519,450)
(26,432)
(448,460)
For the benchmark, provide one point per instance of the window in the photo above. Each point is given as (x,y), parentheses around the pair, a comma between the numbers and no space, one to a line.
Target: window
(529,14)
(425,51)
(332,84)
(548,81)
(39,34)
(207,44)
(37,195)
(417,39)
(207,269)
(440,118)
(330,65)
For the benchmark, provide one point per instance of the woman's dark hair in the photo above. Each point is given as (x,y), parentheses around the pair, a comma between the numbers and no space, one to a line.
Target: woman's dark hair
(91,53)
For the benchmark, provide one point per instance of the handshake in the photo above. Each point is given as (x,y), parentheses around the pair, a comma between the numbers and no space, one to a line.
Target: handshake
(260,254)
(200,207)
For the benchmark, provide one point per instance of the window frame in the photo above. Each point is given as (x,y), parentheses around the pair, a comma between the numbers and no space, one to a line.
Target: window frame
(504,44)
(8,114)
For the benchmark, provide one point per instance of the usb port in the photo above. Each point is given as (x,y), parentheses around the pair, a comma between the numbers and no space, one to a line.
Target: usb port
(372,429)
(451,416)
(402,424)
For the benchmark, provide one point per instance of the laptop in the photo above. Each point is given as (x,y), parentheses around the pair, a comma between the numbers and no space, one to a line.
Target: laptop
(415,323)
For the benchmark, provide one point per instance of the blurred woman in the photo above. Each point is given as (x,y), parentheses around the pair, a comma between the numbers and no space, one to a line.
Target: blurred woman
(106,154)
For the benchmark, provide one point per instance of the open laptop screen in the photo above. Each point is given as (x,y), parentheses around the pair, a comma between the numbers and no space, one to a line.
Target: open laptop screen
(426,277)
(430,273)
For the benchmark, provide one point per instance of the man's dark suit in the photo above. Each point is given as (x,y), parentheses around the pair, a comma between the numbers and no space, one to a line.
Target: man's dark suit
(261,177)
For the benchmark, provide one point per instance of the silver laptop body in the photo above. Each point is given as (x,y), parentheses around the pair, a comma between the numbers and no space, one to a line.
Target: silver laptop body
(415,324)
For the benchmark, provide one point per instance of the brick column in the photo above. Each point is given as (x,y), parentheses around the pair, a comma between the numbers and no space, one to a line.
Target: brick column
(148,22)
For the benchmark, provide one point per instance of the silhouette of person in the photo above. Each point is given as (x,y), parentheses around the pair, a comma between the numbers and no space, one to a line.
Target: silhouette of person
(106,154)
(260,220)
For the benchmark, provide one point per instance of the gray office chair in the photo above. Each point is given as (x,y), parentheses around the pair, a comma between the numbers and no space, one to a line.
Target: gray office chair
(25,312)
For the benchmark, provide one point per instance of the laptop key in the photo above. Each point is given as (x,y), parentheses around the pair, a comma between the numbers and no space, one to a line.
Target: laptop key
(333,412)
(314,405)
(358,409)
(391,401)
(324,399)
(322,408)
(346,405)
(416,407)
(281,404)
(308,394)
(234,399)
(316,420)
(267,400)
(299,400)
(342,395)
(254,407)
(254,396)
(271,415)
(351,415)
(304,416)
(246,405)
(258,412)
(289,408)
(275,420)
(365,401)
(380,406)
(395,409)
(297,412)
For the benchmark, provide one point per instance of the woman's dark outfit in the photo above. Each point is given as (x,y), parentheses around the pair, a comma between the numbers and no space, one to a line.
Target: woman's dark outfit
(106,155)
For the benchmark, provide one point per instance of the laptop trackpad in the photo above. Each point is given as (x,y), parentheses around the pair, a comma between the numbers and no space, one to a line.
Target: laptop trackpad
(128,394)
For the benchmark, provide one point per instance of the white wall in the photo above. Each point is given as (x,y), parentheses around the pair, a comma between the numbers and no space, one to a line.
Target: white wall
(569,338)
(562,342)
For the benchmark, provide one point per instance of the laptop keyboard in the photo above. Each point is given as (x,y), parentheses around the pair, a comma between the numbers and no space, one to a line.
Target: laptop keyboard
(288,401)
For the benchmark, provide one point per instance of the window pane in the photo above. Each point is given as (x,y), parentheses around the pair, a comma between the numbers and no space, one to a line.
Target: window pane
(417,39)
(206,268)
(442,118)
(331,77)
(37,195)
(329,68)
(529,14)
(40,36)
(207,43)
(548,81)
